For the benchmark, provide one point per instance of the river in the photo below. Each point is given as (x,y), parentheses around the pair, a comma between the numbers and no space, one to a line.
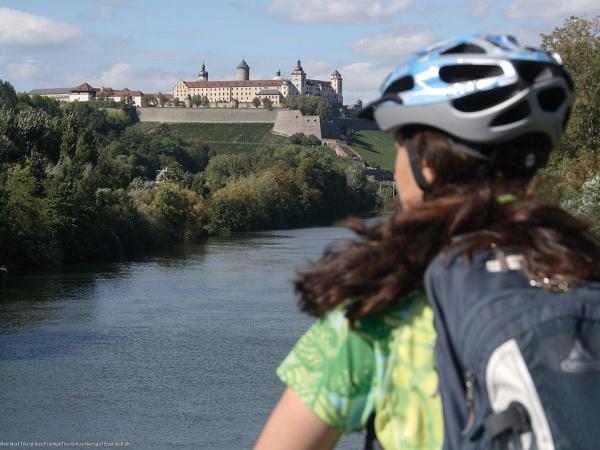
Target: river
(173,351)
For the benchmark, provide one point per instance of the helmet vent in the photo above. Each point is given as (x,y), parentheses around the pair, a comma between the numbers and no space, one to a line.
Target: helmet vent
(463,72)
(464,48)
(483,100)
(552,98)
(518,112)
(533,72)
(400,85)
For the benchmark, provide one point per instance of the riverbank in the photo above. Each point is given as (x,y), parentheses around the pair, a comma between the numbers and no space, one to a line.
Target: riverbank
(89,186)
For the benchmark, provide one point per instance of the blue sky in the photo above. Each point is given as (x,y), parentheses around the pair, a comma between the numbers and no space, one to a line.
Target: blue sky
(150,44)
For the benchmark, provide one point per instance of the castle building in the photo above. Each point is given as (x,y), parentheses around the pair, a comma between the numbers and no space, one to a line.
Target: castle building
(85,93)
(243,90)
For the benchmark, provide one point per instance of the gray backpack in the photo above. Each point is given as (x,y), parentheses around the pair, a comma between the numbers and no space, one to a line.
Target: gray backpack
(528,353)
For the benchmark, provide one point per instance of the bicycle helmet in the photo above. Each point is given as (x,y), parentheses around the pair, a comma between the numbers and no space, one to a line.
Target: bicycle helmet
(483,91)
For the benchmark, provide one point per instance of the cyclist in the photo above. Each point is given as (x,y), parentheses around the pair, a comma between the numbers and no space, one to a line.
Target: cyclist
(474,118)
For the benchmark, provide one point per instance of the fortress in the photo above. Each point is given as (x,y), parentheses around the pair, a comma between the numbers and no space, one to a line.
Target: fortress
(242,91)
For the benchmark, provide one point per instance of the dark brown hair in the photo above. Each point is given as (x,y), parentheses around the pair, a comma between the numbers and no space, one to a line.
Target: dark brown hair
(389,258)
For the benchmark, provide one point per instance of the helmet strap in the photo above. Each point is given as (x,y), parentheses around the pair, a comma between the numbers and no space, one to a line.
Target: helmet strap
(415,165)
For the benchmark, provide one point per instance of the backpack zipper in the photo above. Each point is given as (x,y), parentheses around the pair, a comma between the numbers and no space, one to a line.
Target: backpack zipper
(470,399)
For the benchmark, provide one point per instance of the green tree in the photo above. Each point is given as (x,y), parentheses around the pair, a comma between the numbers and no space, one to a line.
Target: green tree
(8,96)
(236,208)
(204,102)
(310,106)
(578,43)
(256,102)
(226,167)
(26,233)
(267,103)
(196,100)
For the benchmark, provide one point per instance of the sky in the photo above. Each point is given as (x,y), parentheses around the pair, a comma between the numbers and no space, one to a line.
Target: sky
(150,44)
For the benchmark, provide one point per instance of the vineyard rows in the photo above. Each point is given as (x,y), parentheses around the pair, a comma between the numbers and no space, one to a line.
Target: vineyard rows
(234,133)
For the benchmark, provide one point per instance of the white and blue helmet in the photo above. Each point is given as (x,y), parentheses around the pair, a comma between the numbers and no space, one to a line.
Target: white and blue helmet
(481,89)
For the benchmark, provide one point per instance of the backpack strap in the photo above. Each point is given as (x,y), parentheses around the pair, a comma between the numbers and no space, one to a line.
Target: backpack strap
(514,419)
(371,442)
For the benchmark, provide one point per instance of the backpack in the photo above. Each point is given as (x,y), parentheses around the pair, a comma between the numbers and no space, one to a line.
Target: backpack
(528,352)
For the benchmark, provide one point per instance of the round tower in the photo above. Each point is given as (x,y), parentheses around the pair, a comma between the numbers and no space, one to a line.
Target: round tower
(299,78)
(243,71)
(203,74)
(336,84)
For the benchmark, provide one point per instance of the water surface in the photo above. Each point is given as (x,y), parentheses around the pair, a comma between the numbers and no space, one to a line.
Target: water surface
(175,351)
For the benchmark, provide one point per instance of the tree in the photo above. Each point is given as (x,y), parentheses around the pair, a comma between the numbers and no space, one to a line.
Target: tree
(127,105)
(256,102)
(302,139)
(161,99)
(310,106)
(267,103)
(204,101)
(8,96)
(196,100)
(26,234)
(578,43)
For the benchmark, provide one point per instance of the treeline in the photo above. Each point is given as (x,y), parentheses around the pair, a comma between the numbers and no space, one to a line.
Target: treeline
(310,106)
(79,183)
(574,169)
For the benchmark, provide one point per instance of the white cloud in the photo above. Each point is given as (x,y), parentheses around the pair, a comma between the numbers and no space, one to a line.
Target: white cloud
(335,10)
(481,8)
(30,69)
(104,9)
(118,76)
(362,80)
(391,44)
(22,31)
(550,9)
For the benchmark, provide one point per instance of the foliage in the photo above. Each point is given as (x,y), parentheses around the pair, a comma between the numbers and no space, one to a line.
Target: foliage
(8,96)
(267,103)
(578,43)
(26,231)
(586,203)
(302,139)
(79,182)
(310,106)
(574,167)
(256,102)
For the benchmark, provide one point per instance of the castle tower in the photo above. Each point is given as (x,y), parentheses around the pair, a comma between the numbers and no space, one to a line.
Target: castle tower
(336,84)
(299,78)
(203,74)
(243,71)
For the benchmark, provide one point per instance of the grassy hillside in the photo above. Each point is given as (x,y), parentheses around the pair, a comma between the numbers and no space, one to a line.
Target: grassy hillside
(226,137)
(375,147)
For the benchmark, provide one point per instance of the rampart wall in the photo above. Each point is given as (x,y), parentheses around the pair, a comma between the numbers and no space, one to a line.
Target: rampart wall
(286,122)
(290,122)
(209,115)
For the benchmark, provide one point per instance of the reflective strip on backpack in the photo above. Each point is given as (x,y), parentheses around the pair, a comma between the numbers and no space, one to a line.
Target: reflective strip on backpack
(508,380)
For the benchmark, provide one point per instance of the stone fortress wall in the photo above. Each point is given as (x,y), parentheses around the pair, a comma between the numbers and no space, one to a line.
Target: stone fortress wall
(285,122)
(208,115)
(290,122)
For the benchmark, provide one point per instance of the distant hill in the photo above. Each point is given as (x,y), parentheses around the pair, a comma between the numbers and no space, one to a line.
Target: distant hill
(375,147)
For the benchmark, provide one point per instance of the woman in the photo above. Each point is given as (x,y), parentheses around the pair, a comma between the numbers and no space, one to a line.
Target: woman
(474,118)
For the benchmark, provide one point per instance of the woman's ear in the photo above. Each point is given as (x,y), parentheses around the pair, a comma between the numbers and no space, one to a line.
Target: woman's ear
(428,173)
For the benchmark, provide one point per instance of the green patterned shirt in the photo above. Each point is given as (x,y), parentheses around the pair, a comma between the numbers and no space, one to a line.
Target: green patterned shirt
(385,365)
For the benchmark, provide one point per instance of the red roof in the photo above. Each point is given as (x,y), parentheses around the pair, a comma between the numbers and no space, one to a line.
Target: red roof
(127,93)
(83,87)
(245,83)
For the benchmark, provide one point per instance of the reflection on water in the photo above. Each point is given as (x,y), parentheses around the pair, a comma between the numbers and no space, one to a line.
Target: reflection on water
(174,351)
